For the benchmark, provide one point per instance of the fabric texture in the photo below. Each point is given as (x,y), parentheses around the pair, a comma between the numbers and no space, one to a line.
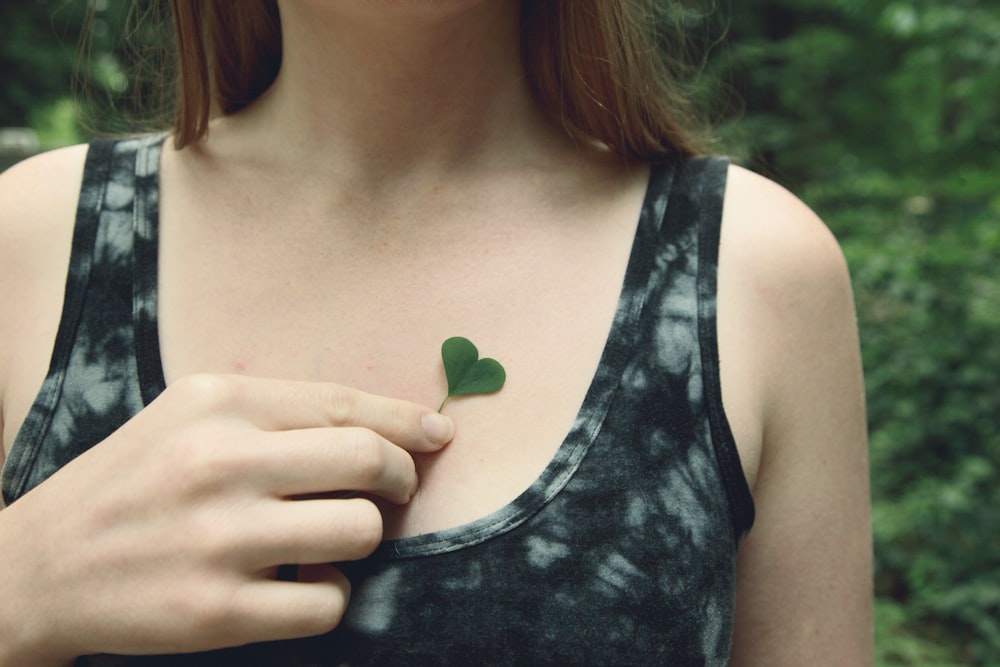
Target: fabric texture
(621,552)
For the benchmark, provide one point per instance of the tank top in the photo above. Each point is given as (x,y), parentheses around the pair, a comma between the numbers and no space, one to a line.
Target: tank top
(621,552)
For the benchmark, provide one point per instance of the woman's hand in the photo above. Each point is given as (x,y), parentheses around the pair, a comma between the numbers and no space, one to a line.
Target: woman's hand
(166,536)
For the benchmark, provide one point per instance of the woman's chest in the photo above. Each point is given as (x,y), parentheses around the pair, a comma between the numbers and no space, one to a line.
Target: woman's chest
(373,315)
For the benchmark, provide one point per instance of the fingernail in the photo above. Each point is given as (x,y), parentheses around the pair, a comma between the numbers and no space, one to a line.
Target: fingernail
(438,428)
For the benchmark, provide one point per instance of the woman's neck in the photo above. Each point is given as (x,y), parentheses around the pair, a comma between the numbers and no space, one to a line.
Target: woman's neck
(383,88)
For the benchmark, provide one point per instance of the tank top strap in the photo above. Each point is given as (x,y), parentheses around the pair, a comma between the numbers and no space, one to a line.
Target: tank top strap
(694,220)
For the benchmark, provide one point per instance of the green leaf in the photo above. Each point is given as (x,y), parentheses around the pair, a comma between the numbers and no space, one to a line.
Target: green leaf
(466,372)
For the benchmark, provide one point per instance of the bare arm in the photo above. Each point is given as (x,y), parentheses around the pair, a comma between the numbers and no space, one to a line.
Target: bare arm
(37,207)
(804,573)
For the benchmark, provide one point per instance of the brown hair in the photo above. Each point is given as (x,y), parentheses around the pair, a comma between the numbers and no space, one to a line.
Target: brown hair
(598,66)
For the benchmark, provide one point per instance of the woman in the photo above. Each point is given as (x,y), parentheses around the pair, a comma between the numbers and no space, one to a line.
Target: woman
(247,305)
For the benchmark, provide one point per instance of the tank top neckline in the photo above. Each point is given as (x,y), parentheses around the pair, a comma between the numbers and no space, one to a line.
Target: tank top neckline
(571,451)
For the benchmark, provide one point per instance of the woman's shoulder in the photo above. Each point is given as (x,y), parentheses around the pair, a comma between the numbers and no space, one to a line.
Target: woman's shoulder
(39,189)
(38,199)
(784,264)
(59,159)
(778,236)
(784,299)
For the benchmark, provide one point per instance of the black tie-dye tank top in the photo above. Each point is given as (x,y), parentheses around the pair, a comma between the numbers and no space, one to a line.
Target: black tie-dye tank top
(621,552)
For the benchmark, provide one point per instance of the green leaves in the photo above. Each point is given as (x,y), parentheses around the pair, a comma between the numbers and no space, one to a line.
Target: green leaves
(466,372)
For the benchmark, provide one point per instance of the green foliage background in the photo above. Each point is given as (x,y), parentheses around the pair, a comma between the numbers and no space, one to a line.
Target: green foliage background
(885,117)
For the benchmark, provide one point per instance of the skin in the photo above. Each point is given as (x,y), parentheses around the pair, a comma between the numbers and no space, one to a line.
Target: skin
(400,154)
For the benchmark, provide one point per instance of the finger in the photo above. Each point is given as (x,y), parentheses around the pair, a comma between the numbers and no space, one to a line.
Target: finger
(279,405)
(324,460)
(311,531)
(272,610)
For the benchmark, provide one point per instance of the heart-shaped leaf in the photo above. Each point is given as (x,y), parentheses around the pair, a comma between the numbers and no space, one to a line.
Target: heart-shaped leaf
(466,372)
